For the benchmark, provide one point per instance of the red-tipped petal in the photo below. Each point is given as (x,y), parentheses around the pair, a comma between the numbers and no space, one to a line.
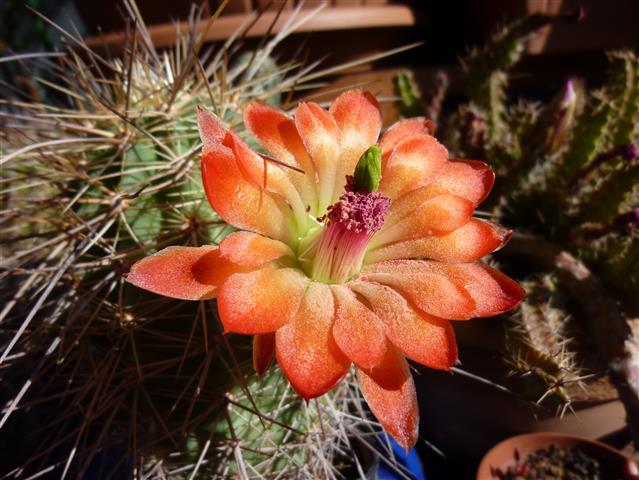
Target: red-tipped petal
(239,202)
(250,164)
(359,119)
(492,292)
(187,273)
(431,292)
(265,175)
(470,179)
(251,249)
(403,129)
(426,339)
(390,393)
(305,348)
(263,352)
(414,162)
(357,330)
(437,216)
(276,132)
(406,205)
(212,131)
(320,135)
(261,301)
(466,244)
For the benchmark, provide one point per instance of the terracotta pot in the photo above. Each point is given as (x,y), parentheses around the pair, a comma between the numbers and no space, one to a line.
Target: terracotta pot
(502,455)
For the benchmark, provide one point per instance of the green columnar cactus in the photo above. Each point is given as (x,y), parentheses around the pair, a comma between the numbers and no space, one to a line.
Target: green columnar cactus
(539,344)
(487,67)
(410,103)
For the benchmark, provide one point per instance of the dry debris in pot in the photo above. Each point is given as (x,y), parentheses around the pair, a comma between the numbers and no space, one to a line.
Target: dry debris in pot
(556,463)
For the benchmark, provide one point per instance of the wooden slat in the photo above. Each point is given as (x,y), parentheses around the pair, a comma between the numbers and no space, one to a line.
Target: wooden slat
(235,6)
(332,18)
(275,4)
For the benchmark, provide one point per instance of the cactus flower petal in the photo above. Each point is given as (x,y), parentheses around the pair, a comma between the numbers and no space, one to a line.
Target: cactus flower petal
(186,273)
(426,339)
(267,179)
(492,291)
(276,132)
(489,292)
(470,179)
(252,250)
(260,301)
(390,394)
(264,175)
(212,131)
(438,215)
(358,331)
(321,137)
(263,352)
(305,348)
(433,293)
(471,242)
(415,161)
(229,193)
(403,129)
(404,206)
(359,119)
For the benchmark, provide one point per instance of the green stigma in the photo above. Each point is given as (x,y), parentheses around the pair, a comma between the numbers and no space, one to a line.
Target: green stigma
(368,171)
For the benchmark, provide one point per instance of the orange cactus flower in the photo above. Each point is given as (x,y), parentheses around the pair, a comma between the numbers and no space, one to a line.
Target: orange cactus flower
(324,274)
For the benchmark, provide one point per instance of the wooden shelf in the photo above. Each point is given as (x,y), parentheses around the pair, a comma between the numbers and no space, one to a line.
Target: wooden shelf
(330,18)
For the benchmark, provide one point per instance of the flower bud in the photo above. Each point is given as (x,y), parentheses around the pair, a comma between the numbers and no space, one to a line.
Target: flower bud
(556,121)
(368,171)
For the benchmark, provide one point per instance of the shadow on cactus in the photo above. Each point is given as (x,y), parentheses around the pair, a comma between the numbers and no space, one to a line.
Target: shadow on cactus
(99,377)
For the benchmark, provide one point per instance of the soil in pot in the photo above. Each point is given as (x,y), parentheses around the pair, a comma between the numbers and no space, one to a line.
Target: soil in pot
(556,463)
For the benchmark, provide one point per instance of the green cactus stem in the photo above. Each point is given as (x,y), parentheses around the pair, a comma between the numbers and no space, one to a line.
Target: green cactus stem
(615,337)
(487,67)
(539,342)
(410,98)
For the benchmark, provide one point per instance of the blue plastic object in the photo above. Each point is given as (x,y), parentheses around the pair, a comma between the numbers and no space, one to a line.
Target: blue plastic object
(410,461)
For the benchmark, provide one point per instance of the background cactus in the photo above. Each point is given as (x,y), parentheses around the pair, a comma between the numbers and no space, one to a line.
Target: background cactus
(99,377)
(539,345)
(567,183)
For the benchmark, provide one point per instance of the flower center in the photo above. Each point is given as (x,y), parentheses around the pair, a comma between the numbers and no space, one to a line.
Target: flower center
(337,252)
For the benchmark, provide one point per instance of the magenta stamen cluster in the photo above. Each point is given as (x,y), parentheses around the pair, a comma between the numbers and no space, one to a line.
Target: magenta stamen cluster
(359,211)
(339,250)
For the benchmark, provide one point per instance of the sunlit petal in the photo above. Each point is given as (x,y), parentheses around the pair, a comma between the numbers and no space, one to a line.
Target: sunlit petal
(389,391)
(305,348)
(357,330)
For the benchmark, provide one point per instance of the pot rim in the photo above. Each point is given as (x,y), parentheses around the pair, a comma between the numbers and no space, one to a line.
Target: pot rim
(516,441)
